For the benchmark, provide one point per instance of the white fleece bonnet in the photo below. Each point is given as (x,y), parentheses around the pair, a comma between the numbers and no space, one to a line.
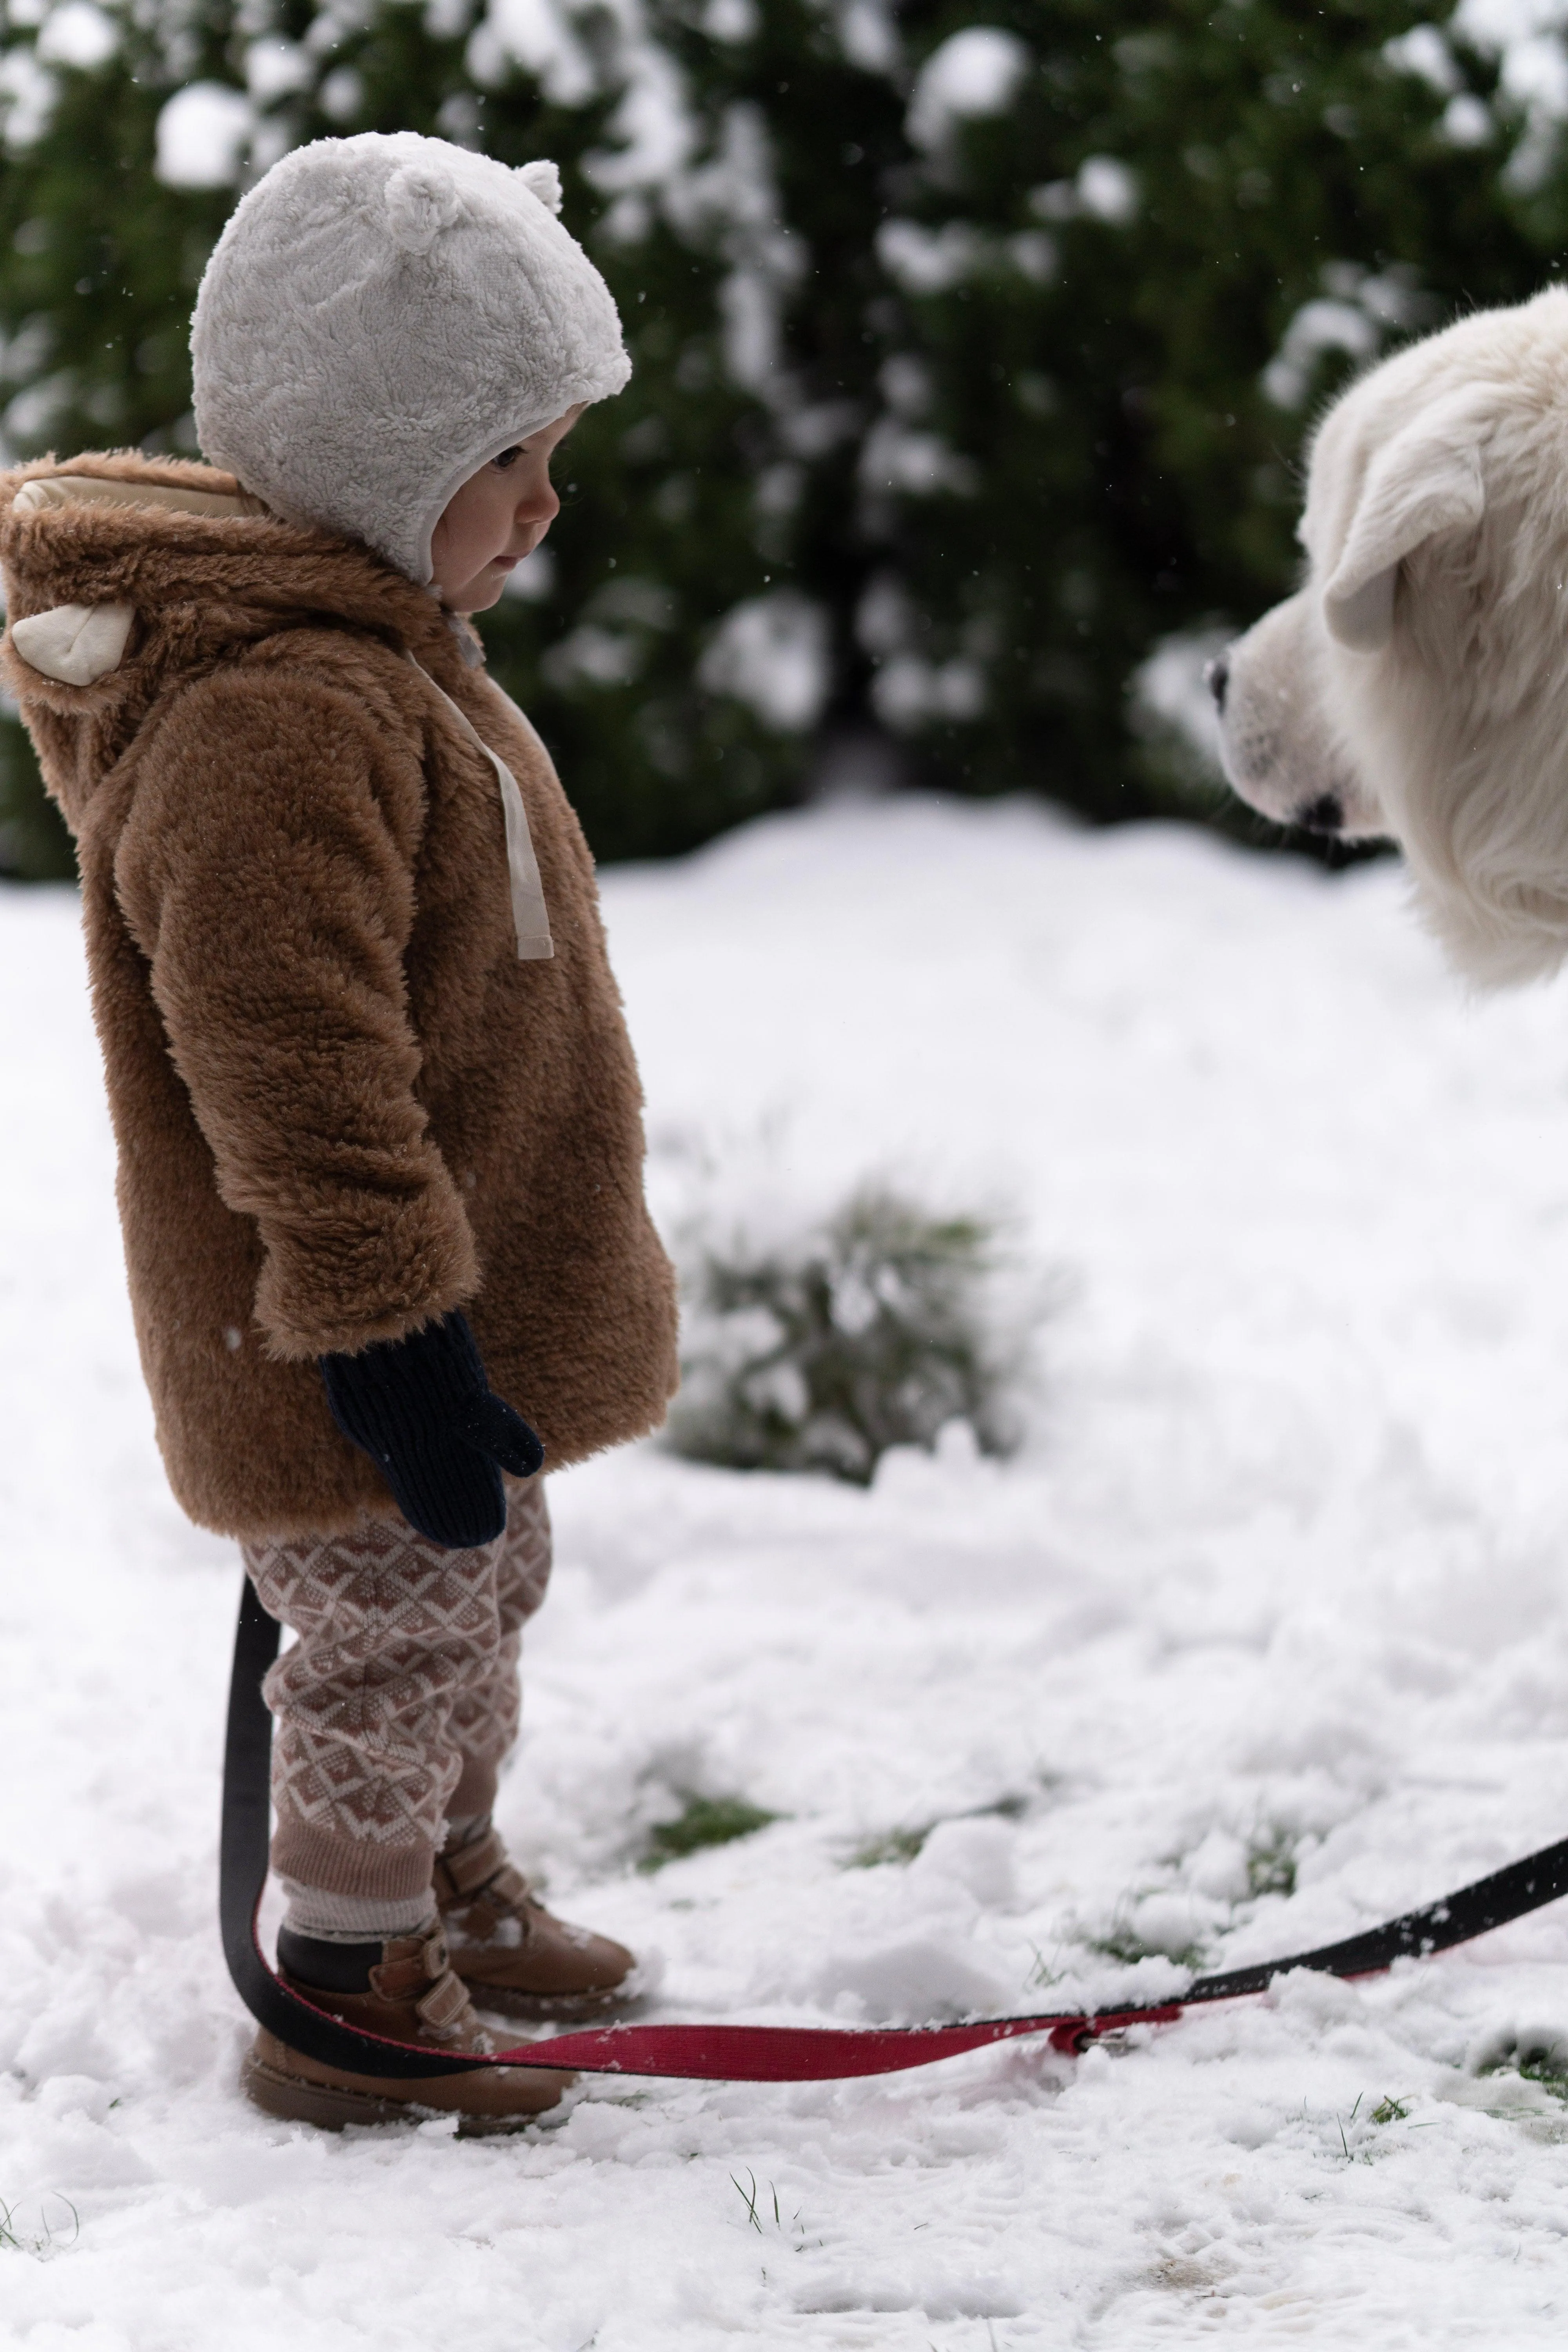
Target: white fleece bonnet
(381,317)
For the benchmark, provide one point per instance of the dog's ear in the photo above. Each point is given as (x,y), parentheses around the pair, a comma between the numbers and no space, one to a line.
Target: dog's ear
(1425,480)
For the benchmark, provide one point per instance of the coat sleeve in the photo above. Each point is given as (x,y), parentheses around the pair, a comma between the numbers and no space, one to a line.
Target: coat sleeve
(266,872)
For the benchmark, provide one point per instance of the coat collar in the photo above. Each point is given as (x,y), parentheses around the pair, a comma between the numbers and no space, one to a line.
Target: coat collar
(195,570)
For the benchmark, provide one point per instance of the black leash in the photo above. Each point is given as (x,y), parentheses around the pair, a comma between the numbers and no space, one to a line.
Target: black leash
(242,1875)
(751,2052)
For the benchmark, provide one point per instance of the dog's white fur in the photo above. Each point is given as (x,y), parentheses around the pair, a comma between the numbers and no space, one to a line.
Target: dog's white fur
(1417,684)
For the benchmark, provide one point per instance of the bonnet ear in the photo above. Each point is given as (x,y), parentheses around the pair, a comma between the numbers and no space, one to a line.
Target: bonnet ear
(1427,479)
(421,200)
(543,181)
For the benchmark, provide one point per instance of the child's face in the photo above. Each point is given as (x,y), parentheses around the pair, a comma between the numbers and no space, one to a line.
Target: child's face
(498,515)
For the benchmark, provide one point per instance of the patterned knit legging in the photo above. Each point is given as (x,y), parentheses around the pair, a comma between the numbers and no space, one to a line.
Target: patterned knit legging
(400,1699)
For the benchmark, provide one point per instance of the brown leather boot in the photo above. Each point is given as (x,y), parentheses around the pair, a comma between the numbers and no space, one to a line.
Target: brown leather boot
(509,1951)
(414,1997)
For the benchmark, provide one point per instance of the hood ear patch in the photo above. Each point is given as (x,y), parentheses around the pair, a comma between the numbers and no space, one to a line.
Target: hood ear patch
(421,200)
(543,181)
(75,643)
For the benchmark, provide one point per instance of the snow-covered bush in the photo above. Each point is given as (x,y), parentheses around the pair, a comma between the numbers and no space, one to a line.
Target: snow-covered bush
(878,1327)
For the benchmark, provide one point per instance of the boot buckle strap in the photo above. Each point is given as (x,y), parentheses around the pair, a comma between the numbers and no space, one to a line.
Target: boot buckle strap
(444,2005)
(472,1866)
(508,1890)
(416,1964)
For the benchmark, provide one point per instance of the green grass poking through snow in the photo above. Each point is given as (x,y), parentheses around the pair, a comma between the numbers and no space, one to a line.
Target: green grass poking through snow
(703,1820)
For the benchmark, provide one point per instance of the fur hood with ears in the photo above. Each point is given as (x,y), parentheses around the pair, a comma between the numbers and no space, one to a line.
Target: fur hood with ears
(344,1105)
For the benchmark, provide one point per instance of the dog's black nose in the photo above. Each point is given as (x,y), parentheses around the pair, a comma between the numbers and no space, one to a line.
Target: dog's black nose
(1217,677)
(1325,814)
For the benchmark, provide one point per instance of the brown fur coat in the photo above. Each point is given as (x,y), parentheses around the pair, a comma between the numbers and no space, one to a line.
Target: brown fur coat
(343,1106)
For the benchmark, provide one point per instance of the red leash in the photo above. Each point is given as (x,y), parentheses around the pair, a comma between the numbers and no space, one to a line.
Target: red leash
(752,2053)
(808,2053)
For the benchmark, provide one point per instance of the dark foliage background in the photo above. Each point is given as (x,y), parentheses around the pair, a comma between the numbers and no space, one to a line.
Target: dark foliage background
(975,344)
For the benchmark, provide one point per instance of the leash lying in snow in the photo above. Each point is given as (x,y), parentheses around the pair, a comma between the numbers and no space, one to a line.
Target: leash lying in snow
(750,2054)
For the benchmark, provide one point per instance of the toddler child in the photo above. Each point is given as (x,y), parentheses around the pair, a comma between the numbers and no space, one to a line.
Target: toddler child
(379,1126)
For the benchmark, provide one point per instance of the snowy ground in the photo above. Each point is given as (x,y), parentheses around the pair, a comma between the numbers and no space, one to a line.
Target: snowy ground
(1278,1581)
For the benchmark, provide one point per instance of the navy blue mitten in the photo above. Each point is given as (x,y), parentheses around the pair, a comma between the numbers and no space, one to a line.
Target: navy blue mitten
(423,1410)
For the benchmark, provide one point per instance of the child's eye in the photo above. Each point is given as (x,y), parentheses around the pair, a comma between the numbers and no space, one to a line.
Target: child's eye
(508,456)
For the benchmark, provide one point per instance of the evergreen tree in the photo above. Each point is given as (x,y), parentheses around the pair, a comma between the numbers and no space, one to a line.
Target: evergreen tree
(973,343)
(1122,295)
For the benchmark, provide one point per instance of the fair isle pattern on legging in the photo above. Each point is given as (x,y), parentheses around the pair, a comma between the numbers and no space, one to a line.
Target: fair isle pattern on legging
(400,1699)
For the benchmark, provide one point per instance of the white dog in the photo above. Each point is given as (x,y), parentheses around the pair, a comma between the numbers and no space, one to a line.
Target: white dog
(1417,685)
